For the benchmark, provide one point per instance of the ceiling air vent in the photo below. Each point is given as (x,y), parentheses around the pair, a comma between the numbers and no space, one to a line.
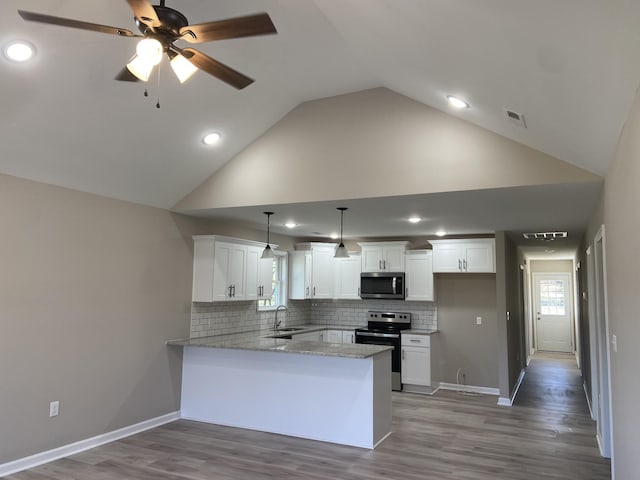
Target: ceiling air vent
(516,118)
(548,236)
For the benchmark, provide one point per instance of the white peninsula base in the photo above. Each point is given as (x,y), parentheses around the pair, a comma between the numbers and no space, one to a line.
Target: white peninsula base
(328,398)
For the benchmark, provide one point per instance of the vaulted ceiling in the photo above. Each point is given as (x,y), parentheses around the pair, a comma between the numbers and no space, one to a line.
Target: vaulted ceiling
(571,68)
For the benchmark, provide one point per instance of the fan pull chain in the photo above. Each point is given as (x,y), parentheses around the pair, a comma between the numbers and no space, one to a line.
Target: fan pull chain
(158,99)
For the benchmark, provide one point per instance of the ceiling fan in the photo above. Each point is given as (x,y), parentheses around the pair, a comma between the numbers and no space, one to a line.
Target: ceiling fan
(161,26)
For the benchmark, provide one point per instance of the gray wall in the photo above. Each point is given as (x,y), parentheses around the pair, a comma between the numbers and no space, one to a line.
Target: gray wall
(622,238)
(90,289)
(463,344)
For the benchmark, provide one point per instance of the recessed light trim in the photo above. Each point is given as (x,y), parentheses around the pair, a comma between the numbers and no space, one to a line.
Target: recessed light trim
(19,51)
(414,219)
(211,138)
(334,236)
(456,102)
(291,225)
(441,233)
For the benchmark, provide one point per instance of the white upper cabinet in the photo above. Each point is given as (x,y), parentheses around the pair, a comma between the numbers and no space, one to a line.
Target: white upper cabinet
(383,256)
(227,269)
(322,272)
(347,280)
(419,275)
(259,273)
(299,275)
(312,271)
(464,255)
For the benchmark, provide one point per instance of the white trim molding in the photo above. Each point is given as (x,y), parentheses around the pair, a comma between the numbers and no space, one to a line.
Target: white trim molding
(32,461)
(469,388)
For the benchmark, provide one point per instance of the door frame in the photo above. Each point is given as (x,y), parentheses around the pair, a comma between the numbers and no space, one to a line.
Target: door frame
(569,303)
(604,425)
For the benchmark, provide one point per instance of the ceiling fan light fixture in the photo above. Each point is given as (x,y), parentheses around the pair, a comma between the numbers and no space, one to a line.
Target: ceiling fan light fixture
(183,68)
(150,50)
(140,68)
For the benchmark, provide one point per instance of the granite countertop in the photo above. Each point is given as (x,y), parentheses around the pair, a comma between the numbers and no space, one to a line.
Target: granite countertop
(258,341)
(419,331)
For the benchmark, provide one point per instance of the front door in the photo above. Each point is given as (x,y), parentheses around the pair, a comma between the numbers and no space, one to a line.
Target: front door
(553,312)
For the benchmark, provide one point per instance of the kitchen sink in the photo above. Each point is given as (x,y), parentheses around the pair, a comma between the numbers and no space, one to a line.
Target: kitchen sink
(288,329)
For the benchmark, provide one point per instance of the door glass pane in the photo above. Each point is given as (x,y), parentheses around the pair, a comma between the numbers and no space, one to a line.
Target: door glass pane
(552,297)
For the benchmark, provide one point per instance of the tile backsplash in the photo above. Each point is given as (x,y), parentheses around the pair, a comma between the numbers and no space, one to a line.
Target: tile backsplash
(234,317)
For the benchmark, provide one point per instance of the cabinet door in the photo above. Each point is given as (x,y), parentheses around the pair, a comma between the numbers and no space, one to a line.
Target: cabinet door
(447,257)
(222,290)
(322,273)
(479,257)
(416,366)
(237,272)
(419,276)
(348,277)
(348,337)
(203,255)
(299,274)
(309,336)
(333,336)
(393,259)
(252,272)
(265,277)
(371,259)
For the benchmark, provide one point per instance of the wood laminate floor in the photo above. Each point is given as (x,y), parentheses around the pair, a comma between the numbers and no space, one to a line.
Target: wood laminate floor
(547,434)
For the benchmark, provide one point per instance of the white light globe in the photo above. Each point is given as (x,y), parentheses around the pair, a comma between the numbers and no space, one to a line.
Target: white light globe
(150,50)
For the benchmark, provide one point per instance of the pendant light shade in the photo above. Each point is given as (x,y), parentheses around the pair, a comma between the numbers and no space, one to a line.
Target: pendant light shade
(341,251)
(267,252)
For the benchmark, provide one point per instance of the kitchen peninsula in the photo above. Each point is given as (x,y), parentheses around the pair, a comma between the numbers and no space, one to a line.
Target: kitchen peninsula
(339,393)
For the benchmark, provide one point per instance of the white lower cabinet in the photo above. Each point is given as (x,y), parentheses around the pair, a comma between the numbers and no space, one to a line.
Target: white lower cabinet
(348,336)
(309,336)
(416,363)
(333,336)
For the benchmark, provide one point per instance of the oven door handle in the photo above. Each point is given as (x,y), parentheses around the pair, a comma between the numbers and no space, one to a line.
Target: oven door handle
(372,334)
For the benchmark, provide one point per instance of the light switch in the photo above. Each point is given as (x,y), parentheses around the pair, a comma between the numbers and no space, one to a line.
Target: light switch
(478,320)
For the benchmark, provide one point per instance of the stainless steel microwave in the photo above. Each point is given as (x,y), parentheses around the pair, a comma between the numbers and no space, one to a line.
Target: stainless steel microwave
(388,285)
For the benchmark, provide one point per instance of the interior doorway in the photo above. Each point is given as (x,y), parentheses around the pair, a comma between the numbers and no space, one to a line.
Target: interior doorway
(553,312)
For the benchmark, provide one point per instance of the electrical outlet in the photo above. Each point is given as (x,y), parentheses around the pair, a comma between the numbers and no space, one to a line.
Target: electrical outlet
(478,320)
(54,408)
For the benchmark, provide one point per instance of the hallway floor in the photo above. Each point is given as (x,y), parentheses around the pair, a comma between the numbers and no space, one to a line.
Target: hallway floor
(547,434)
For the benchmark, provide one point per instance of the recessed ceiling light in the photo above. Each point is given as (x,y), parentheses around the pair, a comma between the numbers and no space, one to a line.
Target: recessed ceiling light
(19,51)
(441,233)
(211,138)
(334,236)
(457,102)
(290,225)
(414,219)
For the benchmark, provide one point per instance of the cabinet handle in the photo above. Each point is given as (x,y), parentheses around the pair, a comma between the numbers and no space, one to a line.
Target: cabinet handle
(379,264)
(464,264)
(314,291)
(459,264)
(414,340)
(229,291)
(384,264)
(307,291)
(403,354)
(234,290)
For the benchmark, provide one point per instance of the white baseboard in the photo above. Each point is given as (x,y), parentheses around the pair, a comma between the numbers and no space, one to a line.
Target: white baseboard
(504,402)
(32,461)
(469,388)
(508,401)
(586,395)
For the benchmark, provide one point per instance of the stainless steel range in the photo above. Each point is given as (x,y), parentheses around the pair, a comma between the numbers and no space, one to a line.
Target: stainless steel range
(383,328)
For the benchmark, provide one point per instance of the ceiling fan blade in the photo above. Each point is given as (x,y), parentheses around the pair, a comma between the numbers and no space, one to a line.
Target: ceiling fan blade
(144,11)
(126,76)
(259,24)
(217,69)
(68,22)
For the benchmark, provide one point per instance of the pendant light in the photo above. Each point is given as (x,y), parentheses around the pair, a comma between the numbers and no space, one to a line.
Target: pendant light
(267,252)
(341,251)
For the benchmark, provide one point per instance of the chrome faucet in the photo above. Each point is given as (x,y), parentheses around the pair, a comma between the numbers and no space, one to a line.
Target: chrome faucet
(276,323)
